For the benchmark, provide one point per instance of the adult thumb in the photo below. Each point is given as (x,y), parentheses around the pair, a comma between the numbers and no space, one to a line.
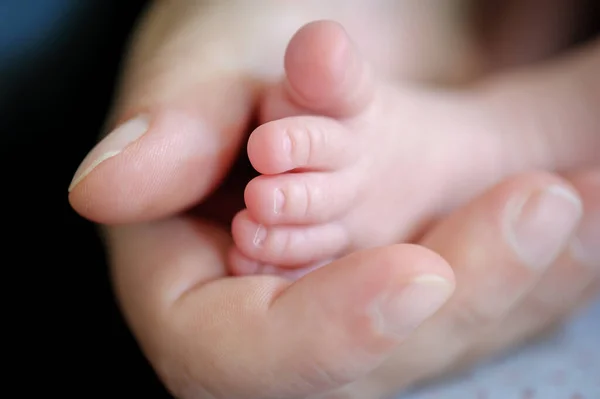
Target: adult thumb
(177,123)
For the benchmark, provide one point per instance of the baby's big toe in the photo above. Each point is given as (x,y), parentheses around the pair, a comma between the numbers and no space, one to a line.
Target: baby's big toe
(325,72)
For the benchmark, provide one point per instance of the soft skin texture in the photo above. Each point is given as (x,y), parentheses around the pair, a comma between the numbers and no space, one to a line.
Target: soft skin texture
(349,162)
(213,336)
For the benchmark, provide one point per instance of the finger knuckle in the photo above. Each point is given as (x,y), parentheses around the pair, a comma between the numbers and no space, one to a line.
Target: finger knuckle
(471,316)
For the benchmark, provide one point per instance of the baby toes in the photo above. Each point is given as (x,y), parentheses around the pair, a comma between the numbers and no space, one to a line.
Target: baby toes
(300,198)
(287,245)
(303,142)
(325,74)
(240,265)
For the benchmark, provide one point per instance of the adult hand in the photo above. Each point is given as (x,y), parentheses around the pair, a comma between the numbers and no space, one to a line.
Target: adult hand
(365,325)
(519,274)
(259,337)
(208,335)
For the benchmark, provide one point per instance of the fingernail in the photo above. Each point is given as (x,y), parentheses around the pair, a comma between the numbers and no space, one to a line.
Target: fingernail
(113,144)
(586,245)
(540,225)
(401,312)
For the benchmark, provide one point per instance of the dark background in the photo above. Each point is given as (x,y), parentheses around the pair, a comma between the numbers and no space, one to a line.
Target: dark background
(63,333)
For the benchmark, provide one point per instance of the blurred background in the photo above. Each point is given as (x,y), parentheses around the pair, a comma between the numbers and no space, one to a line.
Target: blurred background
(64,334)
(58,63)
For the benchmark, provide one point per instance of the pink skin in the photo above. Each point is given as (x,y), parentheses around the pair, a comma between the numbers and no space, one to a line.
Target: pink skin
(338,151)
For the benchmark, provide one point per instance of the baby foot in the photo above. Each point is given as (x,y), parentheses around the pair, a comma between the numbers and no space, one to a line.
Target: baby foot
(348,163)
(345,163)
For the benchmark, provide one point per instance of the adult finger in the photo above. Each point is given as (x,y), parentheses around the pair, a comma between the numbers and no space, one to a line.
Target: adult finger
(544,117)
(262,336)
(572,281)
(500,245)
(177,123)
